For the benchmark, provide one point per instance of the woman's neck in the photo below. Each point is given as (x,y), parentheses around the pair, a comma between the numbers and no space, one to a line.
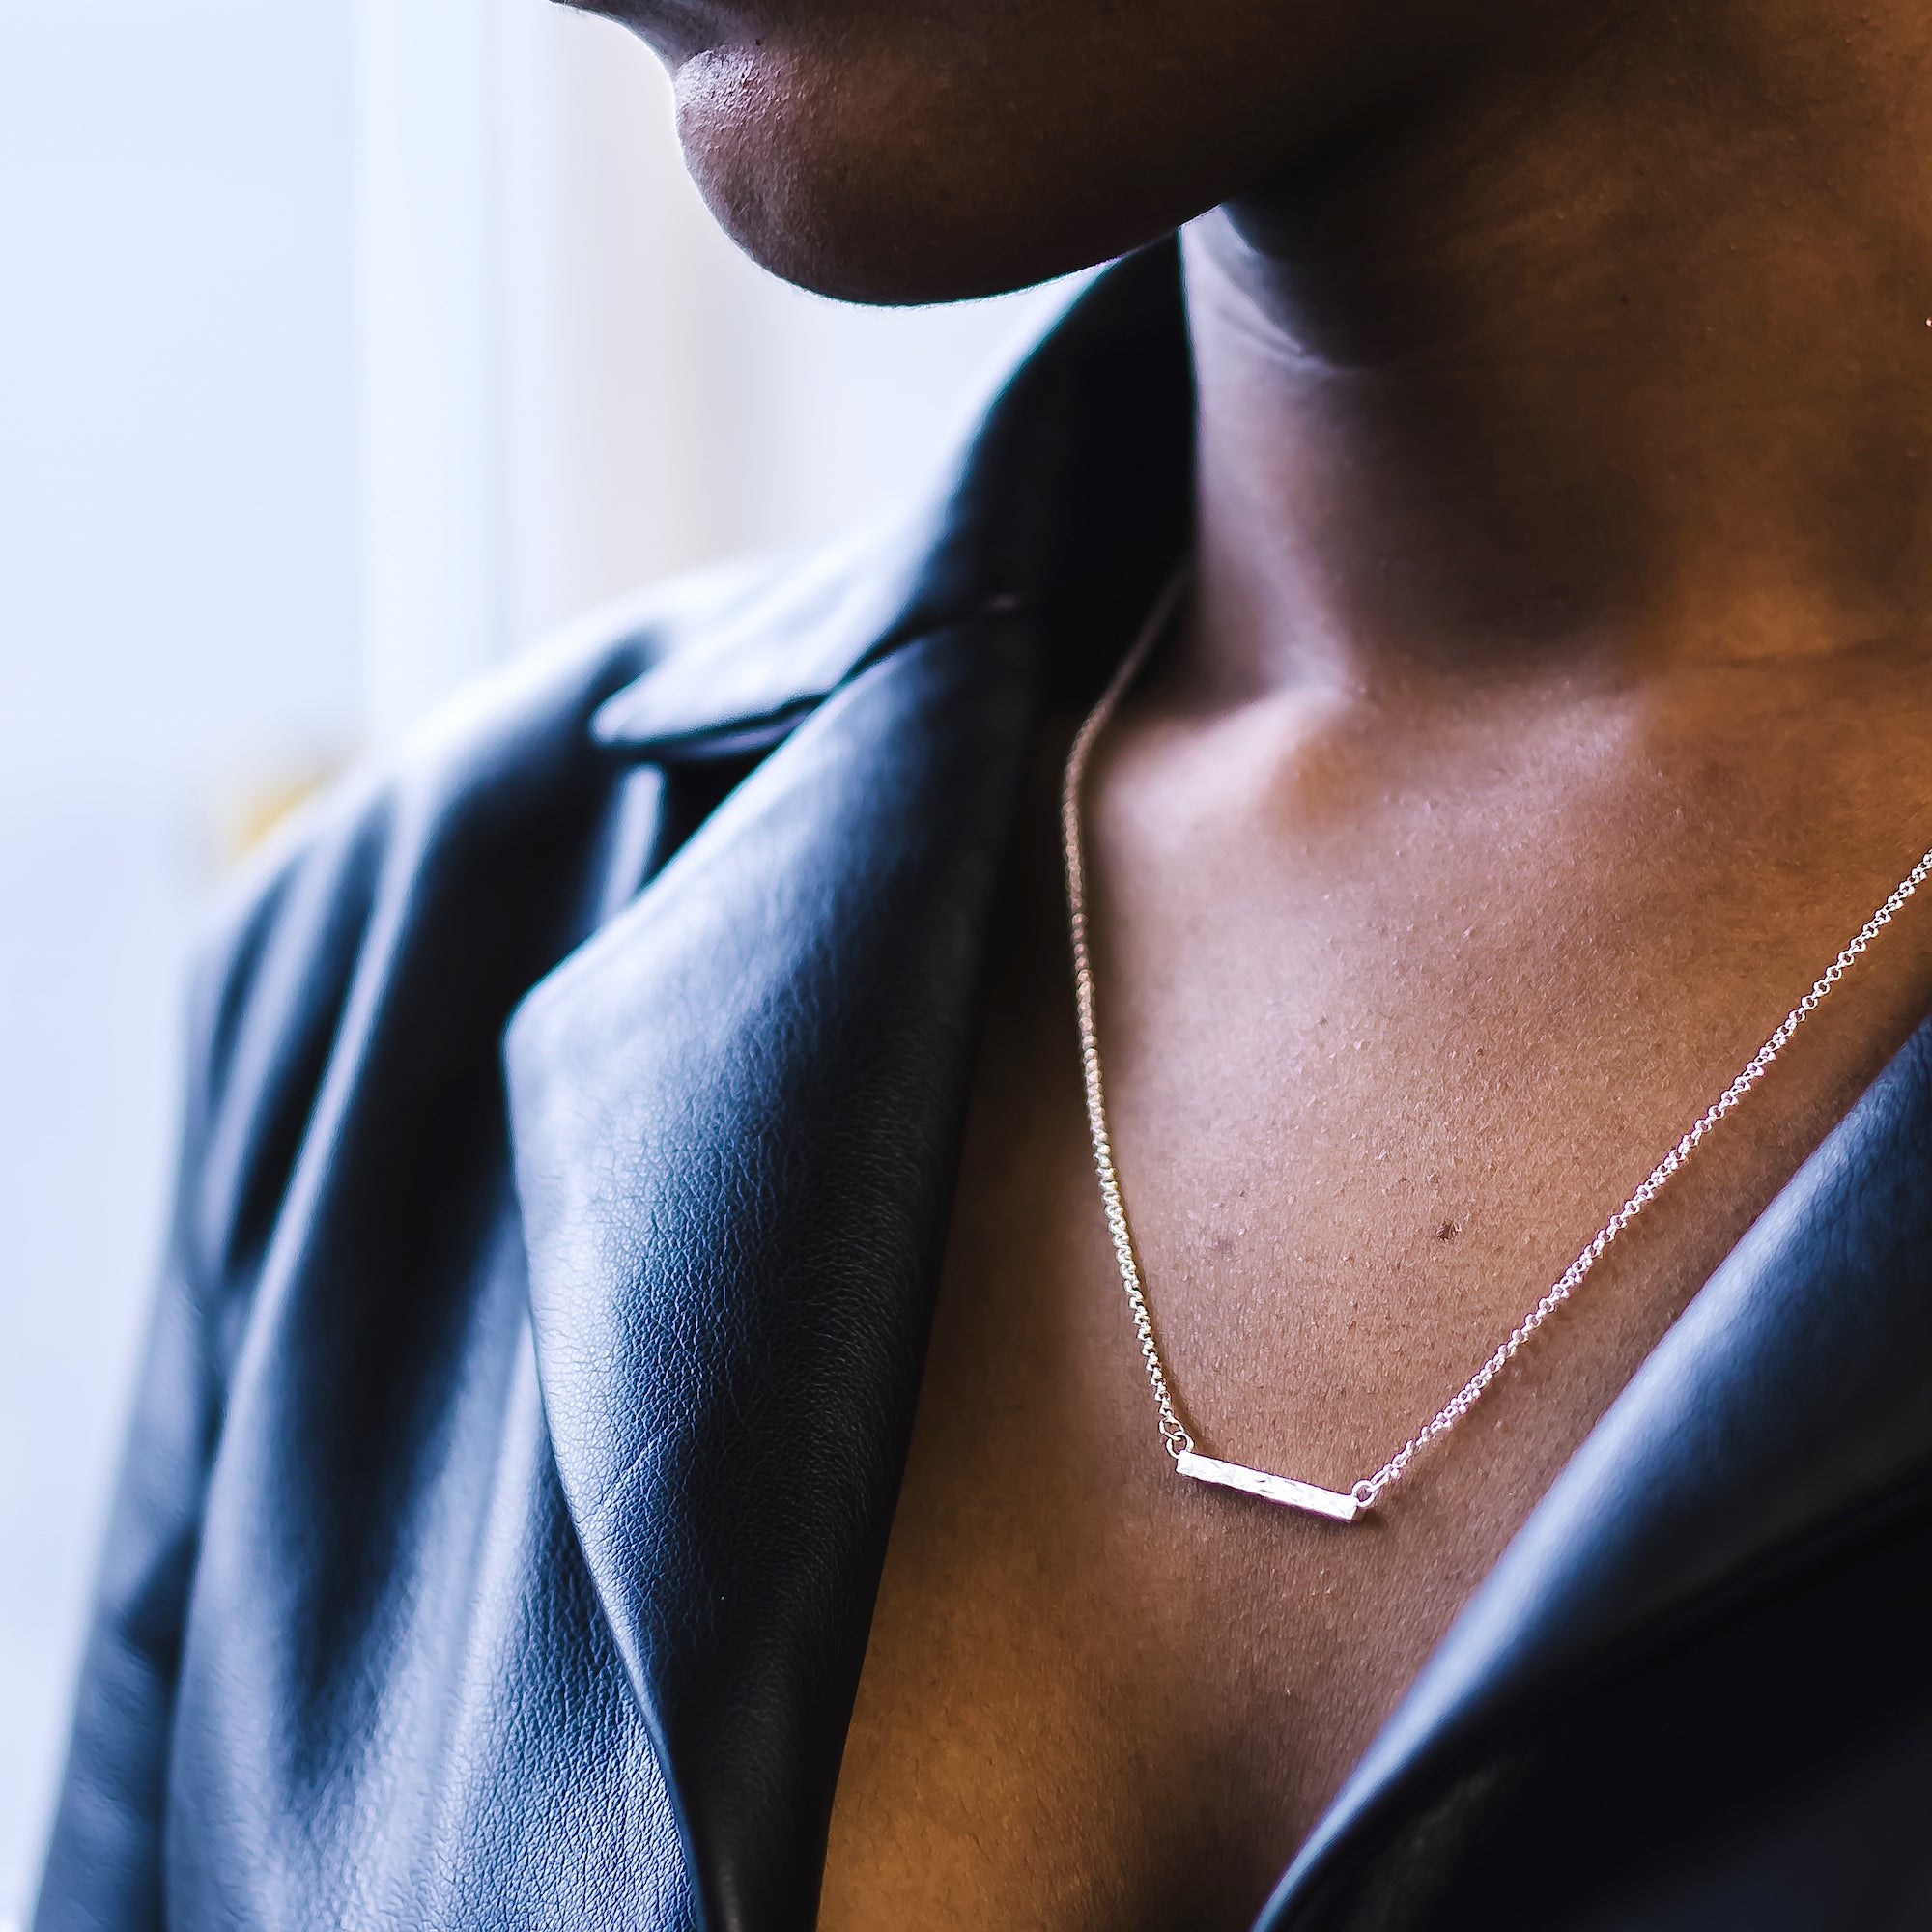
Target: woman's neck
(1617,361)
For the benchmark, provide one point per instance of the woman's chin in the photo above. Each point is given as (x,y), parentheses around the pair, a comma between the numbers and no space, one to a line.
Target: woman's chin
(876,185)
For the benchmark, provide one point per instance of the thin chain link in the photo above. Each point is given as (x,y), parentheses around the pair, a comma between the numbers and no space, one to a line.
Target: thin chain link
(1173,1432)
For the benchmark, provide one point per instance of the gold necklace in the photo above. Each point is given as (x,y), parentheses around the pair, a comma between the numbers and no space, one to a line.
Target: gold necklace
(1347,1505)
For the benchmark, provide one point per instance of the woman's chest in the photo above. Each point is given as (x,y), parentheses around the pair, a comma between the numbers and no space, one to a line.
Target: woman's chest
(1098,1696)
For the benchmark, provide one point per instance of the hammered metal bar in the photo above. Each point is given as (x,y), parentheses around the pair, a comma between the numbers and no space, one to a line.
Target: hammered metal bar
(1283,1490)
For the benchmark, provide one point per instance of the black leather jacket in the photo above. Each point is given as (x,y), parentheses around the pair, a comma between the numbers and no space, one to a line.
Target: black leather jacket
(574,1115)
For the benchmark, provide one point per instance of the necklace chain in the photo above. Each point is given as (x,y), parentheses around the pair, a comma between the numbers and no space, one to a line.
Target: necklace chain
(1173,1430)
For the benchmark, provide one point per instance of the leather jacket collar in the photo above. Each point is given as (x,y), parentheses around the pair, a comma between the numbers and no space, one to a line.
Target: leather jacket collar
(736,1110)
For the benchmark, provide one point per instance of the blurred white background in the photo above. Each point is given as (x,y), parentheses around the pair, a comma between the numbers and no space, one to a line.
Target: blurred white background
(348,347)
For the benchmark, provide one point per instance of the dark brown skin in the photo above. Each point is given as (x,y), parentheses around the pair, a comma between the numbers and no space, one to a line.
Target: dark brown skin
(1553,705)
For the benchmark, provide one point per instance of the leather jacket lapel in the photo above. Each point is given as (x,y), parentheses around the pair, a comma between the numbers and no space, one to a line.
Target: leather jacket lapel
(736,1110)
(1787,1401)
(736,1115)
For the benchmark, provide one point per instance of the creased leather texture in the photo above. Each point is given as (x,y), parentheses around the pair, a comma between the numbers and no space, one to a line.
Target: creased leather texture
(566,1171)
(734,1177)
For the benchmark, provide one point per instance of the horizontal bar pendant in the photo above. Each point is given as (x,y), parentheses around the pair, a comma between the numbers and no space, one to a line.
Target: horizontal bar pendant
(1283,1490)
